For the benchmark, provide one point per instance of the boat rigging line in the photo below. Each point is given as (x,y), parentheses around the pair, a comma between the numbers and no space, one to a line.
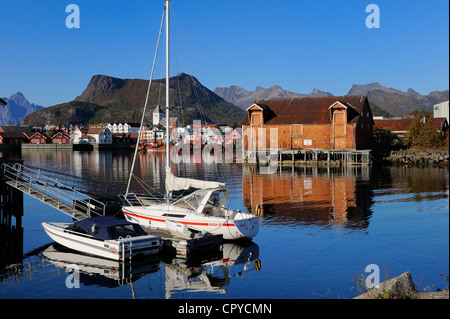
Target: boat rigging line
(146,103)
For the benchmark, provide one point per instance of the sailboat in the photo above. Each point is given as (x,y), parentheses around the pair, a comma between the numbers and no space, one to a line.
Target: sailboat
(201,211)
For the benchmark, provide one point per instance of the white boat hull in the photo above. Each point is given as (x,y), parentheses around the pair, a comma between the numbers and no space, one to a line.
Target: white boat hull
(118,249)
(242,225)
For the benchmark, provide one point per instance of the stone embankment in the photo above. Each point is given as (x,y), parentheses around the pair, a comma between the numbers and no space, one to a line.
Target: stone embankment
(401,287)
(438,158)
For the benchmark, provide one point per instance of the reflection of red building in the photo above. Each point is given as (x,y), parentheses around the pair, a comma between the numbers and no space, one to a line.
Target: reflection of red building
(299,197)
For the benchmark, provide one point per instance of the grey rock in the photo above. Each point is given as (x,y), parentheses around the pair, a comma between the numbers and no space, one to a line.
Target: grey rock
(401,285)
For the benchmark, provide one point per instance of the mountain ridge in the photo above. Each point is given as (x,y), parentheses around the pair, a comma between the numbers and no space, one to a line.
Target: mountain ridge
(386,101)
(244,98)
(108,99)
(16,109)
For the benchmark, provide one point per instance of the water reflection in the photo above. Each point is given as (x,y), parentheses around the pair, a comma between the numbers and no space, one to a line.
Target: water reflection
(92,270)
(197,274)
(306,195)
(236,260)
(405,184)
(318,197)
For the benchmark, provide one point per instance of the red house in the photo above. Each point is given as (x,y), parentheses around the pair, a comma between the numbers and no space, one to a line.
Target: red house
(60,138)
(38,138)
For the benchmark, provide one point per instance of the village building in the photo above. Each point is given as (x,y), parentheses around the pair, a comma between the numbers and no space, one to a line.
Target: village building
(158,115)
(75,135)
(123,128)
(325,123)
(153,133)
(87,139)
(400,126)
(38,138)
(124,138)
(102,135)
(60,138)
(231,135)
(441,110)
(14,134)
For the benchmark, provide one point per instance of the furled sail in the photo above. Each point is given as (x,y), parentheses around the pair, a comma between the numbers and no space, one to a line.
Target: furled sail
(174,183)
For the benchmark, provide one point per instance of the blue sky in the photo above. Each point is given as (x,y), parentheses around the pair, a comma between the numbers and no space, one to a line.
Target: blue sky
(299,45)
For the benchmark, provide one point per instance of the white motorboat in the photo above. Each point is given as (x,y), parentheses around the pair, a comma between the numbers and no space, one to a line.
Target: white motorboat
(104,236)
(203,210)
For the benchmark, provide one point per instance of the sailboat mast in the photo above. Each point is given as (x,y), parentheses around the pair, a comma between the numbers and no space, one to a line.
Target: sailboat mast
(167,83)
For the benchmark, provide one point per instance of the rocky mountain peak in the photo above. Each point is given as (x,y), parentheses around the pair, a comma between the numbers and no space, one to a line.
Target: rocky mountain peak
(100,85)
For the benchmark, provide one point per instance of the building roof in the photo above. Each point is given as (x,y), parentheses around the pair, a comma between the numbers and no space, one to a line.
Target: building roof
(15,135)
(17,129)
(96,130)
(308,110)
(395,125)
(402,125)
(38,134)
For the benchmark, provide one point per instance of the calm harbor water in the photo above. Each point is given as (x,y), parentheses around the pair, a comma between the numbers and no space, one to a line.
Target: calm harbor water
(320,228)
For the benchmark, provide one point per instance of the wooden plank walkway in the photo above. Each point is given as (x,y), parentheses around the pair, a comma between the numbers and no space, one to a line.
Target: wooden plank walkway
(186,248)
(55,194)
(43,197)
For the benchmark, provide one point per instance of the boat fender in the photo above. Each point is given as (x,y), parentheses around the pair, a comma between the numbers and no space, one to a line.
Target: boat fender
(257,264)
(258,210)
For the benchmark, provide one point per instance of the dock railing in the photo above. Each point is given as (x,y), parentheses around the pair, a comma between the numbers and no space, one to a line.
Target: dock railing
(52,192)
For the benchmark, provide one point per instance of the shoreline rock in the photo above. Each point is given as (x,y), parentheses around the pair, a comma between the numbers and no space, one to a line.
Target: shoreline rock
(401,287)
(419,158)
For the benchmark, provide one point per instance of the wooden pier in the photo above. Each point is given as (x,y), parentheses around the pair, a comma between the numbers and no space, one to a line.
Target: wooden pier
(11,230)
(308,157)
(52,192)
(187,248)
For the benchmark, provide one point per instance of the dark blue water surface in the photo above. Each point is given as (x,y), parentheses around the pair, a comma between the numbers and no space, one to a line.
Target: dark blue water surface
(320,228)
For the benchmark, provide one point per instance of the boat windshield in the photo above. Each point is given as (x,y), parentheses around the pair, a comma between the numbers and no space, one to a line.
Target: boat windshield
(126,230)
(216,198)
(193,201)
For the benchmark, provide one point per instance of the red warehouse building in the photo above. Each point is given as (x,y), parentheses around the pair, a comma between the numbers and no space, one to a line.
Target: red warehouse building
(326,123)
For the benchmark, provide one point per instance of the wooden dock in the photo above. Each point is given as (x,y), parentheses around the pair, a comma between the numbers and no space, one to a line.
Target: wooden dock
(308,157)
(50,191)
(186,248)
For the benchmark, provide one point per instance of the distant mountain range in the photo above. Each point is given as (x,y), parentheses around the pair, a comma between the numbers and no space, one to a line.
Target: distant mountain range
(108,99)
(17,108)
(243,98)
(384,101)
